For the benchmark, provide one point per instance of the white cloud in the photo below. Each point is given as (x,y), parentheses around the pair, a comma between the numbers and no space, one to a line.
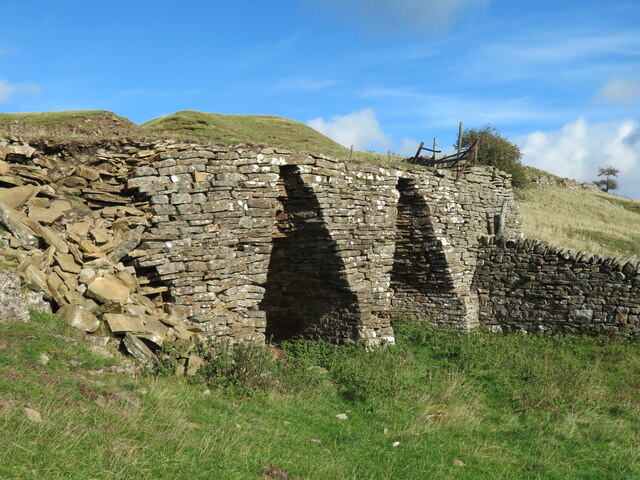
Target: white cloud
(400,15)
(360,129)
(567,45)
(579,148)
(8,89)
(408,147)
(621,90)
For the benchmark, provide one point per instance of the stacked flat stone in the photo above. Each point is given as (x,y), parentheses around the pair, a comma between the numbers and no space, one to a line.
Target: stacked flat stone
(249,243)
(255,243)
(531,286)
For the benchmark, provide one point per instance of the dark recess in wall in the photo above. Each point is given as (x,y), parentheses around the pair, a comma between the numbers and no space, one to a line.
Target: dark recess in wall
(419,279)
(305,296)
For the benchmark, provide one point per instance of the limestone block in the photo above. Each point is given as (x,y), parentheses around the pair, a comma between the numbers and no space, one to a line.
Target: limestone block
(17,196)
(139,350)
(120,323)
(35,279)
(21,150)
(179,198)
(194,362)
(67,262)
(130,240)
(79,317)
(108,289)
(14,221)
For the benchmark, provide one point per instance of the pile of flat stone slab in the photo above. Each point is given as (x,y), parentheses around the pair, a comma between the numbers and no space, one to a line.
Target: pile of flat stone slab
(69,228)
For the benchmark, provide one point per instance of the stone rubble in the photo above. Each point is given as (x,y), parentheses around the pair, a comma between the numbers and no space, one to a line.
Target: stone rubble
(68,224)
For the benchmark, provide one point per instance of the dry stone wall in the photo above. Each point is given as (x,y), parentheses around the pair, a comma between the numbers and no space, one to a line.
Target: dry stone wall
(165,240)
(531,286)
(439,222)
(256,243)
(219,213)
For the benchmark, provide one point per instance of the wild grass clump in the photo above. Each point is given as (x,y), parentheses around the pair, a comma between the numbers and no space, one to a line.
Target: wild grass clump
(245,368)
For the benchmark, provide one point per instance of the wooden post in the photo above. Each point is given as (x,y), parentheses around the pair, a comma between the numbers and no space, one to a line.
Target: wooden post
(475,157)
(351,152)
(460,138)
(435,147)
(502,219)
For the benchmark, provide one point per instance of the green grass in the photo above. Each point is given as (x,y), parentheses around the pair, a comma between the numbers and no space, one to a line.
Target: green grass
(48,118)
(257,129)
(508,406)
(72,124)
(592,221)
(186,125)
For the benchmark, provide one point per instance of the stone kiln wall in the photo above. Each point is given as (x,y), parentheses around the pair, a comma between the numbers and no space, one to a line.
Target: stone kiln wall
(167,241)
(532,286)
(245,243)
(439,223)
(307,295)
(218,213)
(255,242)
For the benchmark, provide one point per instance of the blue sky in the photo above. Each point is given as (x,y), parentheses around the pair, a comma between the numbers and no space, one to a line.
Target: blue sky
(561,79)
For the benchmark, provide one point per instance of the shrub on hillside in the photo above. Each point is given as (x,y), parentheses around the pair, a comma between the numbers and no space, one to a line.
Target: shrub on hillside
(495,150)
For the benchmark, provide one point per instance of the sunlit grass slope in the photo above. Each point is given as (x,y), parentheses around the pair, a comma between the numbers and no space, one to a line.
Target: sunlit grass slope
(437,405)
(262,129)
(596,222)
(48,118)
(68,124)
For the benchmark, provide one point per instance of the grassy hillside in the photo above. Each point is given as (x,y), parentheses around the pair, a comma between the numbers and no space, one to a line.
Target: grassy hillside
(206,127)
(596,222)
(68,124)
(232,129)
(437,406)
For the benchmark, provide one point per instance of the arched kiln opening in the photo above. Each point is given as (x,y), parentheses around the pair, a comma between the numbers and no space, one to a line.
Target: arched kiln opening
(306,293)
(420,279)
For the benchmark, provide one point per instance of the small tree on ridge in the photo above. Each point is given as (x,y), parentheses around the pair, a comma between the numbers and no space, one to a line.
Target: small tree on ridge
(608,182)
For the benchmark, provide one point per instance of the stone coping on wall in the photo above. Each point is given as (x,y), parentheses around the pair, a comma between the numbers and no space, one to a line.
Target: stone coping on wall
(626,265)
